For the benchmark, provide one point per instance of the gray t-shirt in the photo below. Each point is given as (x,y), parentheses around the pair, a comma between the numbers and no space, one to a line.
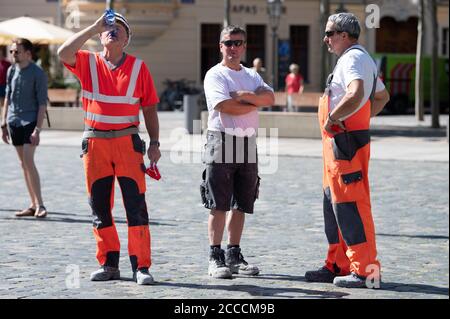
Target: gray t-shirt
(26,90)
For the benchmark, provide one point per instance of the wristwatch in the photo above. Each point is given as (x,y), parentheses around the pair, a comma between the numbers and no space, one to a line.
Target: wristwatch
(330,119)
(37,129)
(155,143)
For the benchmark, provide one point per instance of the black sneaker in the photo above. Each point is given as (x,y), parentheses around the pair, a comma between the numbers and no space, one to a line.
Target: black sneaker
(321,275)
(217,267)
(235,260)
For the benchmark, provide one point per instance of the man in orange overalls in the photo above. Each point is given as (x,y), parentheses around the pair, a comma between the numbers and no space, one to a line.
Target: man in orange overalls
(114,87)
(353,95)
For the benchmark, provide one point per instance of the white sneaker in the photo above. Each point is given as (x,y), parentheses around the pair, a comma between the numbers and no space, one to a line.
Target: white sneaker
(217,267)
(143,277)
(105,273)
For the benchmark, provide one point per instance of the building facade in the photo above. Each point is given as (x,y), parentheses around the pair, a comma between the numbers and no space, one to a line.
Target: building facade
(179,38)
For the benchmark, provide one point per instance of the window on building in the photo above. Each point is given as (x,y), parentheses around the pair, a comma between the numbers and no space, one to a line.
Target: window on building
(210,54)
(397,36)
(256,44)
(299,36)
(445,42)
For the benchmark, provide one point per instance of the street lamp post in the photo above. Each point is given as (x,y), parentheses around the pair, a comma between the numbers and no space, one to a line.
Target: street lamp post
(341,8)
(226,20)
(324,56)
(274,11)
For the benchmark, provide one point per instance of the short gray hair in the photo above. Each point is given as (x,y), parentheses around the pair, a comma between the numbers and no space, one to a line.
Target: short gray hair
(232,29)
(346,22)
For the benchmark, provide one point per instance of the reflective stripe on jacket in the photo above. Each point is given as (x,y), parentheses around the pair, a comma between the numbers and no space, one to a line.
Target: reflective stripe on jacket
(107,112)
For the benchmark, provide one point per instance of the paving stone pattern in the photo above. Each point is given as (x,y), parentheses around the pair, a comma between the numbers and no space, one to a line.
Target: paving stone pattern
(285,238)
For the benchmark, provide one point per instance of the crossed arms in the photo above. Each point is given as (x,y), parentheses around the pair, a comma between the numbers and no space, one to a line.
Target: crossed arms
(243,102)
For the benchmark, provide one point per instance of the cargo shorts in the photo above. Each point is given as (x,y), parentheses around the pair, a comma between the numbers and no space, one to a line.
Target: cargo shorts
(230,179)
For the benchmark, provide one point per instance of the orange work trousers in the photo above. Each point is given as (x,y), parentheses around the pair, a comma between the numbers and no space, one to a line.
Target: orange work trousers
(106,159)
(349,225)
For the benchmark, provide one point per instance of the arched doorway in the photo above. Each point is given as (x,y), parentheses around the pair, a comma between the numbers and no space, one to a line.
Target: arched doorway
(397,36)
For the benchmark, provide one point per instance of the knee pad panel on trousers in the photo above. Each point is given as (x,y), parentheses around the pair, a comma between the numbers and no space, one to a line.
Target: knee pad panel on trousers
(134,203)
(350,223)
(100,202)
(346,144)
(331,227)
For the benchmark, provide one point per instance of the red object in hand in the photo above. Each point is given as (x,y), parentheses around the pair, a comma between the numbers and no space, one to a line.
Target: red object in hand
(153,172)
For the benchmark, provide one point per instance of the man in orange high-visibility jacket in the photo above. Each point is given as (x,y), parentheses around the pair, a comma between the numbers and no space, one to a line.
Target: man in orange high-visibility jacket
(115,85)
(354,93)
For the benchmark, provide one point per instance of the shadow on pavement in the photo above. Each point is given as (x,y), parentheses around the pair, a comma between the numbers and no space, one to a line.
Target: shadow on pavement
(280,277)
(258,291)
(389,286)
(50,218)
(308,293)
(416,288)
(415,236)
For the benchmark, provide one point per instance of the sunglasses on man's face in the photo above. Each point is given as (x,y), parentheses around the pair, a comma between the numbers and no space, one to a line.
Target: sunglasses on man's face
(329,34)
(14,51)
(230,43)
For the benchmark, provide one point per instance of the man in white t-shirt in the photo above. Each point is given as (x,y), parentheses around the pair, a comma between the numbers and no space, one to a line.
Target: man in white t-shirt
(230,181)
(353,95)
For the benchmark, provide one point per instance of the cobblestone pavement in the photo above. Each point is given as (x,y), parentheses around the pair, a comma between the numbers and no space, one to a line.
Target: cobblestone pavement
(41,258)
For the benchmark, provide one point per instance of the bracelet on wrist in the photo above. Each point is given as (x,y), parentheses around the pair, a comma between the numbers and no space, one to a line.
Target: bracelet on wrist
(37,129)
(330,119)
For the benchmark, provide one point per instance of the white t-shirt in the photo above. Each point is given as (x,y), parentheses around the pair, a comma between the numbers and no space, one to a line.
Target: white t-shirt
(354,64)
(219,82)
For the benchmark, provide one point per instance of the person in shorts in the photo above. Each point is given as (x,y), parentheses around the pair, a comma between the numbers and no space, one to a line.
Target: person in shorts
(22,118)
(230,181)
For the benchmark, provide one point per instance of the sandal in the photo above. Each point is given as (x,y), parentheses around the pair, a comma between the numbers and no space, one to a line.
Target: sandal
(41,212)
(30,211)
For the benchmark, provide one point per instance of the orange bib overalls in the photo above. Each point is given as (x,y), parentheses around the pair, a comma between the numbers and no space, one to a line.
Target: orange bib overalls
(348,219)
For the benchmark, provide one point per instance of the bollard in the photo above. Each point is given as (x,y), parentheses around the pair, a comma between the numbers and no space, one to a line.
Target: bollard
(447,128)
(191,111)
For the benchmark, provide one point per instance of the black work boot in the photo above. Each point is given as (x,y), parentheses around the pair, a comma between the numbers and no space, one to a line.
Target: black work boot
(321,275)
